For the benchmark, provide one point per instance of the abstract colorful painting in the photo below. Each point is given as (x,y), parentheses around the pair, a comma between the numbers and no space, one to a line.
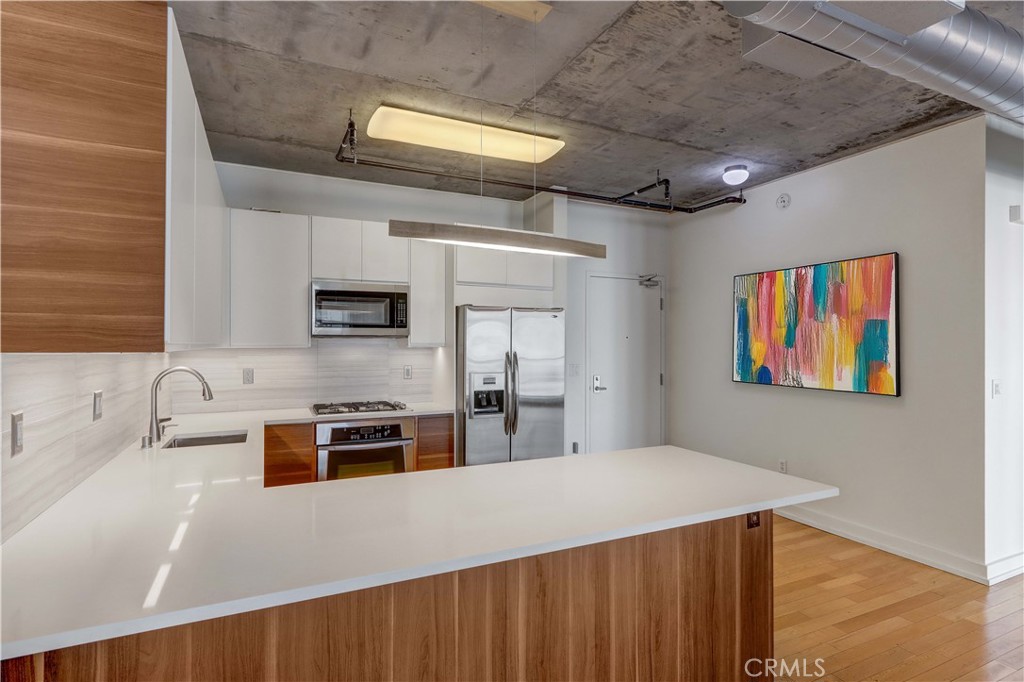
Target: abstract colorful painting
(831,326)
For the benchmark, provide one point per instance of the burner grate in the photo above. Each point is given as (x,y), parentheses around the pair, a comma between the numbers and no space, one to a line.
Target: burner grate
(358,407)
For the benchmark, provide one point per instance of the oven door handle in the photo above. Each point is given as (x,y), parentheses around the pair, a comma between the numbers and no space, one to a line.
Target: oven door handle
(369,445)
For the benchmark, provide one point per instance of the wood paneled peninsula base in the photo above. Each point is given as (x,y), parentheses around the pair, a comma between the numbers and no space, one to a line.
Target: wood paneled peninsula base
(689,603)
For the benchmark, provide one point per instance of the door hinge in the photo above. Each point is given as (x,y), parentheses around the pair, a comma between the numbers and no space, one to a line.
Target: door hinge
(661,379)
(661,303)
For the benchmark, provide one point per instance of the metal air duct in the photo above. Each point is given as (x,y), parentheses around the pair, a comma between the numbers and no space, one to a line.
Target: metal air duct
(969,56)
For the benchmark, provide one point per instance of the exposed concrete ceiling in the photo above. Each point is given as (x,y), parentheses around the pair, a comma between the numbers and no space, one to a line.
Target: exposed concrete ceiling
(630,87)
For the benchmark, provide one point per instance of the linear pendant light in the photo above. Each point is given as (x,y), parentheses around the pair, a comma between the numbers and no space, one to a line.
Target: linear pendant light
(498,238)
(413,127)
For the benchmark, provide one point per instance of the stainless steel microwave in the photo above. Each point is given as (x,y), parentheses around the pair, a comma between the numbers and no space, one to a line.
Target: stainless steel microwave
(343,308)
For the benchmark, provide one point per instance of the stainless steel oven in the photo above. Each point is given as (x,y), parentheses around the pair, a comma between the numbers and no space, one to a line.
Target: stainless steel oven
(352,449)
(341,308)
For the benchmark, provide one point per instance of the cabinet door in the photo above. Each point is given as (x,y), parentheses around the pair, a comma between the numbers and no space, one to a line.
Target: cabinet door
(534,270)
(337,248)
(289,454)
(435,442)
(427,286)
(211,252)
(385,259)
(269,279)
(181,199)
(480,266)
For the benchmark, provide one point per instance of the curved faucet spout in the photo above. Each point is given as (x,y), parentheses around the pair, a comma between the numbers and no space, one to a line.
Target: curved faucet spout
(154,422)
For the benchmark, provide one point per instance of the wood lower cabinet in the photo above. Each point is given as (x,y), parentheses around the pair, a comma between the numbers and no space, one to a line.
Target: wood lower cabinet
(686,604)
(83,93)
(289,454)
(435,442)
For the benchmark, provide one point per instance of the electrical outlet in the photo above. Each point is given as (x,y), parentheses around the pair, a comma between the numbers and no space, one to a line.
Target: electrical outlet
(17,433)
(97,405)
(407,372)
(753,520)
(783,466)
(248,375)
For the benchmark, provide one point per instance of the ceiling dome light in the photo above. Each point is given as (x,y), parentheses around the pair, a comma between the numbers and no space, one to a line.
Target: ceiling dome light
(735,175)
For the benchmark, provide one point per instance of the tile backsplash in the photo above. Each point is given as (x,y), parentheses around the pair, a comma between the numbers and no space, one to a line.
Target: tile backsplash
(62,444)
(330,370)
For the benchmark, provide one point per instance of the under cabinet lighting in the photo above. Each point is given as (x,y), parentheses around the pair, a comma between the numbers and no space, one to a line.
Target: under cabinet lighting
(413,127)
(499,238)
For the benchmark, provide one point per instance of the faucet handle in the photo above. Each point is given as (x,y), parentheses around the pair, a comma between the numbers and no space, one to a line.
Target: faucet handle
(147,442)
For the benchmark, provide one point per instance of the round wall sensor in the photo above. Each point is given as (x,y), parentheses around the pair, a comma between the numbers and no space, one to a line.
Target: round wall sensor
(782,201)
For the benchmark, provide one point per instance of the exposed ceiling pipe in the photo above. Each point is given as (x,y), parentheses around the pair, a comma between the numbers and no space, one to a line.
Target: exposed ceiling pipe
(588,196)
(969,56)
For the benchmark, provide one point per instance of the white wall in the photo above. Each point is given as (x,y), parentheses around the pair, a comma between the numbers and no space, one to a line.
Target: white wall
(910,469)
(1004,348)
(638,243)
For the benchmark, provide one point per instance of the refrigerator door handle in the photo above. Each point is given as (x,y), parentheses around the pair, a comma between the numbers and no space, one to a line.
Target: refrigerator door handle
(515,391)
(507,411)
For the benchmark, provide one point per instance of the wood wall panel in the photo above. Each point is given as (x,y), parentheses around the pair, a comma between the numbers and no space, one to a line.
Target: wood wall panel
(289,454)
(689,604)
(488,635)
(83,111)
(423,638)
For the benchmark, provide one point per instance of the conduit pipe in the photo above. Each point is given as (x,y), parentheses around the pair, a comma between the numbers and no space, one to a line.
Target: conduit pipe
(620,201)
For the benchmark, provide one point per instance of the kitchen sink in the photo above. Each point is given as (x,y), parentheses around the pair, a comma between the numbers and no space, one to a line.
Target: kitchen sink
(192,440)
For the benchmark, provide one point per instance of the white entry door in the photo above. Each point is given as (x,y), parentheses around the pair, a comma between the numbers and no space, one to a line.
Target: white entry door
(624,363)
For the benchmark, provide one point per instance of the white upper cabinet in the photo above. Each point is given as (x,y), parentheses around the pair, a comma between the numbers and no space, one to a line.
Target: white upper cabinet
(385,258)
(270,305)
(427,294)
(480,266)
(531,270)
(211,270)
(196,225)
(181,198)
(337,249)
(493,267)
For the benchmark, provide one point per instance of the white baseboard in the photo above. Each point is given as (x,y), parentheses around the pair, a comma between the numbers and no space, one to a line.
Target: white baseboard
(908,549)
(1005,568)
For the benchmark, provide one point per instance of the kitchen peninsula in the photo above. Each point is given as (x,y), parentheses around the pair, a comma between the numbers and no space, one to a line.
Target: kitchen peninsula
(173,561)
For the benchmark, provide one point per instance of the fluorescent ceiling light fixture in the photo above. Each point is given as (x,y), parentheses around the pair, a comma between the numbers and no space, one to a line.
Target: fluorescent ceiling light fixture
(498,238)
(400,125)
(735,175)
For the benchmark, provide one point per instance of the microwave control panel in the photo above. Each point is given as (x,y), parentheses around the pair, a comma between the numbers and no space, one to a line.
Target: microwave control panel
(402,312)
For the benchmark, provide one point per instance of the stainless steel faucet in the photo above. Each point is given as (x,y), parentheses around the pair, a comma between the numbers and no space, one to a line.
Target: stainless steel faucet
(154,422)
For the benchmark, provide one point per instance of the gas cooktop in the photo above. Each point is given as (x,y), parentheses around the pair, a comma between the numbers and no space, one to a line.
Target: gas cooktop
(358,407)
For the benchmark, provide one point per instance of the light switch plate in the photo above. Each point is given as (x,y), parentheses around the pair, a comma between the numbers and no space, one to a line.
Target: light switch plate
(97,405)
(407,372)
(249,375)
(17,433)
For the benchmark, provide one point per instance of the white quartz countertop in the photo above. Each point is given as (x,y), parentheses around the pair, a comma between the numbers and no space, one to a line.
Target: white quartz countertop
(165,537)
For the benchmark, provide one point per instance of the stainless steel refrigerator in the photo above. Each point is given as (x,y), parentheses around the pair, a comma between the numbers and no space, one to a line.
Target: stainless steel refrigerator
(510,380)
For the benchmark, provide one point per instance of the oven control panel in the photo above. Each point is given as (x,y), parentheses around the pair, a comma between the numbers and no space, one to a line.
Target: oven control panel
(356,433)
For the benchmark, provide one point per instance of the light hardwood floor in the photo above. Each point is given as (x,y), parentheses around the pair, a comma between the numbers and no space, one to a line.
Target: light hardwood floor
(876,616)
